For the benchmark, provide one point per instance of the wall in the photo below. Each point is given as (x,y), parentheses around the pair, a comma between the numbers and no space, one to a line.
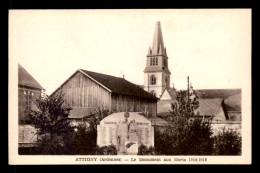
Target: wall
(220,115)
(166,96)
(80,91)
(27,136)
(23,102)
(235,116)
(121,103)
(228,125)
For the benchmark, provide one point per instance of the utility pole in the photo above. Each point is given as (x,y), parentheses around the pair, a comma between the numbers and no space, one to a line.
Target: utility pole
(188,89)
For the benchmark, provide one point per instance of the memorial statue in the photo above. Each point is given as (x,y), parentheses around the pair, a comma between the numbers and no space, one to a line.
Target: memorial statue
(132,132)
(127,137)
(122,134)
(132,142)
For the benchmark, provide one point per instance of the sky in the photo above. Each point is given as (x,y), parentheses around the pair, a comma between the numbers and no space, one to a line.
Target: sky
(212,47)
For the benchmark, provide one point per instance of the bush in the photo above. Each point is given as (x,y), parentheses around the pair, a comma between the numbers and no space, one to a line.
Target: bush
(162,142)
(83,140)
(227,142)
(80,141)
(28,151)
(50,145)
(106,150)
(144,150)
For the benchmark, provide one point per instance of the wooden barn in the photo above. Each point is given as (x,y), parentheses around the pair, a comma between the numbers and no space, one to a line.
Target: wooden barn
(85,91)
(28,90)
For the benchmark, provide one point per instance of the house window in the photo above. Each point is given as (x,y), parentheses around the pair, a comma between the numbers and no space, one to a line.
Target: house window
(156,61)
(28,98)
(153,80)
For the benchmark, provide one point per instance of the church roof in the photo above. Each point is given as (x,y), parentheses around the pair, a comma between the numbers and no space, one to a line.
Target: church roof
(158,45)
(25,79)
(171,91)
(118,85)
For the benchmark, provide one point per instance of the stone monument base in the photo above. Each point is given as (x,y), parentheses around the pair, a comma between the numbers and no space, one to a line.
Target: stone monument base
(132,149)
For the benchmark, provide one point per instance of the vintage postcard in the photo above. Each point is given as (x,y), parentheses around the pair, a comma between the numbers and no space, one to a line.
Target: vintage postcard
(139,86)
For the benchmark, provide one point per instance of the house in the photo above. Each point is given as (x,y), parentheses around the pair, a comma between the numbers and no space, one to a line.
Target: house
(212,108)
(28,90)
(85,91)
(220,104)
(232,107)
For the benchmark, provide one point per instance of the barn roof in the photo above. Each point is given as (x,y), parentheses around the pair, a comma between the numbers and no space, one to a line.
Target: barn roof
(25,79)
(216,93)
(209,106)
(119,85)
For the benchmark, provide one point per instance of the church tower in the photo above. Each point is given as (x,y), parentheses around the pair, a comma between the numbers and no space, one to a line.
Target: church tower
(156,72)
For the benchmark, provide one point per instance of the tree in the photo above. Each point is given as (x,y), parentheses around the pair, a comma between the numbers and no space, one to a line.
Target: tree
(52,117)
(51,122)
(227,142)
(187,133)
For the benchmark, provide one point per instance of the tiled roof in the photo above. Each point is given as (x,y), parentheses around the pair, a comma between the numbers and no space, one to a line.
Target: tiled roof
(79,113)
(157,121)
(209,107)
(25,79)
(233,103)
(172,93)
(119,85)
(216,93)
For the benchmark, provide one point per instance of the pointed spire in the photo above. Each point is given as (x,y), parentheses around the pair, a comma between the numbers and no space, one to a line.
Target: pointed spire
(165,53)
(149,51)
(160,51)
(157,39)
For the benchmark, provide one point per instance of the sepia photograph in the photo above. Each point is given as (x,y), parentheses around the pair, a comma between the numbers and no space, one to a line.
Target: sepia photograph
(139,86)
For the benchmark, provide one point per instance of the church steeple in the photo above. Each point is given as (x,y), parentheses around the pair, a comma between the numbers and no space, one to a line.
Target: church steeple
(156,72)
(157,39)
(149,51)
